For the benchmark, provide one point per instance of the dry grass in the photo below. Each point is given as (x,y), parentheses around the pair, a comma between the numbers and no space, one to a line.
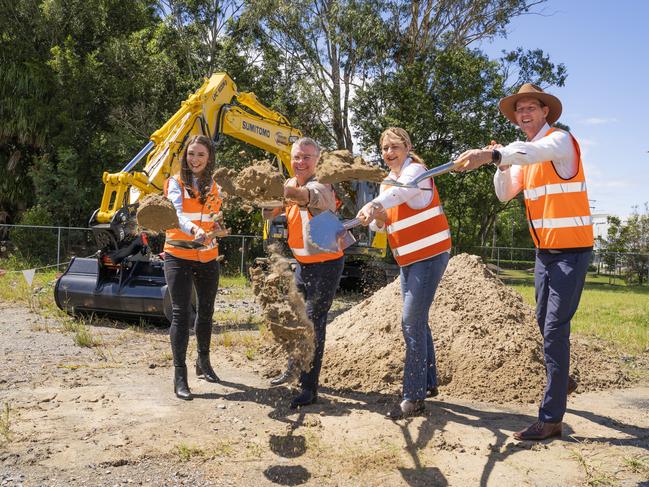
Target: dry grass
(5,424)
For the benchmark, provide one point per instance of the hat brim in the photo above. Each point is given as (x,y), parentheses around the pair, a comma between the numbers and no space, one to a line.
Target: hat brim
(508,106)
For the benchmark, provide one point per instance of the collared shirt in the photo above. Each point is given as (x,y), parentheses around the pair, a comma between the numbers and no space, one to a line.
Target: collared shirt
(394,196)
(556,147)
(175,195)
(321,196)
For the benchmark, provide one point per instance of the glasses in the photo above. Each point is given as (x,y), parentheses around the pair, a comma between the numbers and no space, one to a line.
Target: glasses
(530,109)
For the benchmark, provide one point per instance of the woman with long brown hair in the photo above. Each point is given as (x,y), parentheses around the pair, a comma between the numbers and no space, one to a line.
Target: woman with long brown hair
(197,199)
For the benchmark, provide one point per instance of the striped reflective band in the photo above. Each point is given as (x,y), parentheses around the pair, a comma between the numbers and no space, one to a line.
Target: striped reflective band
(414,219)
(203,217)
(422,243)
(539,191)
(300,252)
(571,221)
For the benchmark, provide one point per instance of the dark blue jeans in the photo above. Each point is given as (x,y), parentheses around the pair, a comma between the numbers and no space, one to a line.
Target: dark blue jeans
(180,274)
(318,283)
(419,283)
(558,282)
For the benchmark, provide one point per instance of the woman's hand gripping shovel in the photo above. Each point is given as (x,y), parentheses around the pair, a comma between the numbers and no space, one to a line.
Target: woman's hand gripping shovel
(326,233)
(202,243)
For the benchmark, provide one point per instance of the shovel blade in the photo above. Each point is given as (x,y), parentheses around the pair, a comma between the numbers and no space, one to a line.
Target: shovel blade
(323,232)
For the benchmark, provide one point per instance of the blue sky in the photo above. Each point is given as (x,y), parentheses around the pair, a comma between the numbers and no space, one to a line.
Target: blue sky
(605,47)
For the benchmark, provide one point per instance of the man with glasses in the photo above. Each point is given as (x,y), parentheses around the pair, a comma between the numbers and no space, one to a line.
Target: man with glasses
(548,169)
(318,273)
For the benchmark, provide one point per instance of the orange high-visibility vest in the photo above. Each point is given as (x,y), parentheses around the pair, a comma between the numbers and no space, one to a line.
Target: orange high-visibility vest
(557,209)
(416,235)
(297,218)
(200,214)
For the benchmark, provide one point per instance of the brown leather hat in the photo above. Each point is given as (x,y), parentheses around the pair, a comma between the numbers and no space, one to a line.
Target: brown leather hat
(508,104)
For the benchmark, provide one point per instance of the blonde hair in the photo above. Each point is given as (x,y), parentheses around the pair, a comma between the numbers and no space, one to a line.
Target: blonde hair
(402,135)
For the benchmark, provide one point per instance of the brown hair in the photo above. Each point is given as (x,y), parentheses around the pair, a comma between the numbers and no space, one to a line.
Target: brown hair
(205,177)
(402,135)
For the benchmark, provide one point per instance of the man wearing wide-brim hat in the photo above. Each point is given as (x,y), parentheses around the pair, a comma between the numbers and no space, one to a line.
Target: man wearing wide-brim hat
(547,167)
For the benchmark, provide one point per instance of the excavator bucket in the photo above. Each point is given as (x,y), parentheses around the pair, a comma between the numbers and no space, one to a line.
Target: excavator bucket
(132,290)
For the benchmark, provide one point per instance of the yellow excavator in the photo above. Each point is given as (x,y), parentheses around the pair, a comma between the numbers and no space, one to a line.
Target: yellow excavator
(126,279)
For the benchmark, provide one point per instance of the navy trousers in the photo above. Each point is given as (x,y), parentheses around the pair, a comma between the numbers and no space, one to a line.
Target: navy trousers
(558,282)
(318,283)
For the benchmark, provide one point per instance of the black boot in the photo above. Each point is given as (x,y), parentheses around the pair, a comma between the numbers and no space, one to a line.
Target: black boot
(204,368)
(181,388)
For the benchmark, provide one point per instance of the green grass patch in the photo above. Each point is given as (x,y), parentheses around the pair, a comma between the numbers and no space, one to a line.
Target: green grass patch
(616,313)
(187,452)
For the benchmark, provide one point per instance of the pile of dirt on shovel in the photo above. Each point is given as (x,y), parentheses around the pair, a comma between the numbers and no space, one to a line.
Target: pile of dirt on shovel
(284,310)
(340,165)
(487,342)
(156,213)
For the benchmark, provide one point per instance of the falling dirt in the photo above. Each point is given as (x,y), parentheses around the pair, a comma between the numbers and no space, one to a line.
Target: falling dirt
(156,213)
(487,343)
(225,178)
(340,165)
(258,185)
(284,309)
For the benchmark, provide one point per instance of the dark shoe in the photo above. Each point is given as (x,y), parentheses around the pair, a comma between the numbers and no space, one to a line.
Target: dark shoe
(406,409)
(539,431)
(305,398)
(432,392)
(572,385)
(181,388)
(204,369)
(281,378)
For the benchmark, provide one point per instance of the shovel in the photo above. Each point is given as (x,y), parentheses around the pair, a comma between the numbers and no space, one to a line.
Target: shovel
(327,233)
(436,171)
(198,244)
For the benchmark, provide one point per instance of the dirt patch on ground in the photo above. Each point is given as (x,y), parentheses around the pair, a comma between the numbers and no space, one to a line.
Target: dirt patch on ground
(340,165)
(487,343)
(156,213)
(284,309)
(106,415)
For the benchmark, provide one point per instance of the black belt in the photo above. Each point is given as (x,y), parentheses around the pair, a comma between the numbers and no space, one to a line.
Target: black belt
(575,250)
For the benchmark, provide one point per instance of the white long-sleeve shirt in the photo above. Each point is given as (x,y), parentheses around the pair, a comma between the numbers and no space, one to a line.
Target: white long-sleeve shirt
(394,195)
(556,147)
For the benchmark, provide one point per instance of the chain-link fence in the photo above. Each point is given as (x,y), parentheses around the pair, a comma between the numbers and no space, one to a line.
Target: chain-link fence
(628,266)
(54,246)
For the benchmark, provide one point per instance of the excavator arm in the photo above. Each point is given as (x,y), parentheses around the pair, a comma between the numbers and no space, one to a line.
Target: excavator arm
(215,109)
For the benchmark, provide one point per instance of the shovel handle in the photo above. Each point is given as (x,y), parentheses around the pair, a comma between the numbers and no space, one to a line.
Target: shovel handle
(354,222)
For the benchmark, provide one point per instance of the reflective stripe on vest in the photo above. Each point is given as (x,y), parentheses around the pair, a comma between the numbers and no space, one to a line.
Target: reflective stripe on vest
(570,221)
(418,234)
(558,210)
(538,192)
(200,215)
(422,243)
(297,219)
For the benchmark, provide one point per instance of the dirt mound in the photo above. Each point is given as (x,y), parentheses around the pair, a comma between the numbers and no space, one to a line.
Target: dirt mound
(156,213)
(487,342)
(285,311)
(256,184)
(340,165)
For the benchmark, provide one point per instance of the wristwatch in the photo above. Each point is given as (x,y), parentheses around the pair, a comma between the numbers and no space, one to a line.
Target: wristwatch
(496,157)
